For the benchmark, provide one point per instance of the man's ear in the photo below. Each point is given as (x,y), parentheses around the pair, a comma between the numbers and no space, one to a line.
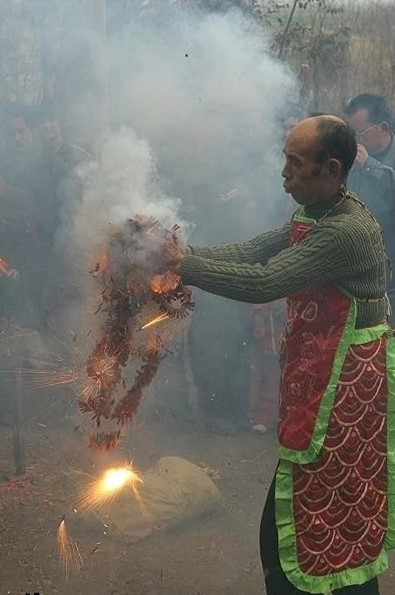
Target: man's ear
(334,168)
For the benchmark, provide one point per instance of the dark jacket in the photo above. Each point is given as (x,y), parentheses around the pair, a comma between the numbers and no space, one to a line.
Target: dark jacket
(375,185)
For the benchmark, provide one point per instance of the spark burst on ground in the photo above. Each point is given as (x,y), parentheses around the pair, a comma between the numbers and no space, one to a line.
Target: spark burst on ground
(136,280)
(109,486)
(69,554)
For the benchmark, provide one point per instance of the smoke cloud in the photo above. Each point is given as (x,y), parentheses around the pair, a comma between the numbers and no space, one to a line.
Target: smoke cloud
(194,100)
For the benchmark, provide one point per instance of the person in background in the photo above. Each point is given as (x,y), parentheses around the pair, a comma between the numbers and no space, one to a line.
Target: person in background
(268,323)
(327,522)
(6,273)
(18,163)
(65,162)
(373,175)
(21,185)
(64,155)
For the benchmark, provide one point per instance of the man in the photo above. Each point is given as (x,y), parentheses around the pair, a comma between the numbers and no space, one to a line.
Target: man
(5,401)
(65,156)
(373,174)
(326,524)
(18,164)
(65,163)
(21,186)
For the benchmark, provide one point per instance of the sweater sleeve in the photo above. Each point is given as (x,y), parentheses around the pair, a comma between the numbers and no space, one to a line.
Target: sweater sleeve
(318,259)
(257,250)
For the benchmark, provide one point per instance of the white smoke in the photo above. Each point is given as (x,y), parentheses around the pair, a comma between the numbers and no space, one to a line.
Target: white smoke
(205,93)
(122,185)
(195,99)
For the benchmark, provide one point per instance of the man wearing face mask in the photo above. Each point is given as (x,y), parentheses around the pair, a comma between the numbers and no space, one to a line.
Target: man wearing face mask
(373,175)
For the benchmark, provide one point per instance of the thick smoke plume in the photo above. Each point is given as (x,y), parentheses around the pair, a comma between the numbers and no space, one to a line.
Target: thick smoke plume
(202,96)
(194,139)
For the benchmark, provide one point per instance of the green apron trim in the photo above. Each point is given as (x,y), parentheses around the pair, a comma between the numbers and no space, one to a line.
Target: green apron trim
(288,545)
(367,335)
(390,538)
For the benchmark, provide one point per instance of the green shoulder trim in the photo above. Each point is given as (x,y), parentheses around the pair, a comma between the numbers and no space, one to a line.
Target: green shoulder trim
(390,539)
(321,423)
(288,545)
(303,219)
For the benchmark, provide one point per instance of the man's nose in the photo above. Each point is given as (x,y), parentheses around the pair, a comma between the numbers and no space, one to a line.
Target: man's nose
(286,173)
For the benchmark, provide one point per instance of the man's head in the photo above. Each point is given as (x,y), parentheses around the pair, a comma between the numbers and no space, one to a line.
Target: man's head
(319,153)
(50,126)
(21,133)
(371,118)
(20,124)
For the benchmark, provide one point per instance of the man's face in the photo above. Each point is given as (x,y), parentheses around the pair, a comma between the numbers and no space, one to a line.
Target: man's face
(304,179)
(51,130)
(374,137)
(21,133)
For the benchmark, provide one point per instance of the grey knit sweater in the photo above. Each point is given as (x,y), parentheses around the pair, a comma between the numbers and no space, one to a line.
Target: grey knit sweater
(345,248)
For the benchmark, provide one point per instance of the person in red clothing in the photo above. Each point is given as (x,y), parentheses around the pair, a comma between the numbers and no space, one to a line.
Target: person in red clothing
(268,323)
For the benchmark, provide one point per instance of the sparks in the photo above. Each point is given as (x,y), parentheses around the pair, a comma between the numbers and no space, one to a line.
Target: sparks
(159,318)
(69,554)
(41,379)
(109,486)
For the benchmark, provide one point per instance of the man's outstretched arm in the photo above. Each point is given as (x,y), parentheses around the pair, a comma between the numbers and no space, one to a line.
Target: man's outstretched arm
(257,250)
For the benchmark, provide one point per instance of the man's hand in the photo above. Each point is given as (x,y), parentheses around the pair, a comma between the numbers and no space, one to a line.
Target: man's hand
(362,156)
(174,253)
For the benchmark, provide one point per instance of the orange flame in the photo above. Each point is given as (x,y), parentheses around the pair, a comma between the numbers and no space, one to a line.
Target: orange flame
(165,282)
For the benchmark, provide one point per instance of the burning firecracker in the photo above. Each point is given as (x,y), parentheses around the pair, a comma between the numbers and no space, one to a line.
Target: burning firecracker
(136,282)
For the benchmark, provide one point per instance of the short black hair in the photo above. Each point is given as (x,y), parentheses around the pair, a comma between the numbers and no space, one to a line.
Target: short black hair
(377,106)
(336,140)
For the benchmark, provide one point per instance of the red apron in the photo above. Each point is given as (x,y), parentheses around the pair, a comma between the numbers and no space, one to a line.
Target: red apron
(335,485)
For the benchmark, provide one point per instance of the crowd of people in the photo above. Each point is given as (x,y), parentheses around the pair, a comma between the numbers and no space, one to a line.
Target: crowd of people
(38,178)
(330,260)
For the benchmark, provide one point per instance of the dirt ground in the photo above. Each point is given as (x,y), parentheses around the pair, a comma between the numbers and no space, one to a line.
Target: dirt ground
(217,555)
